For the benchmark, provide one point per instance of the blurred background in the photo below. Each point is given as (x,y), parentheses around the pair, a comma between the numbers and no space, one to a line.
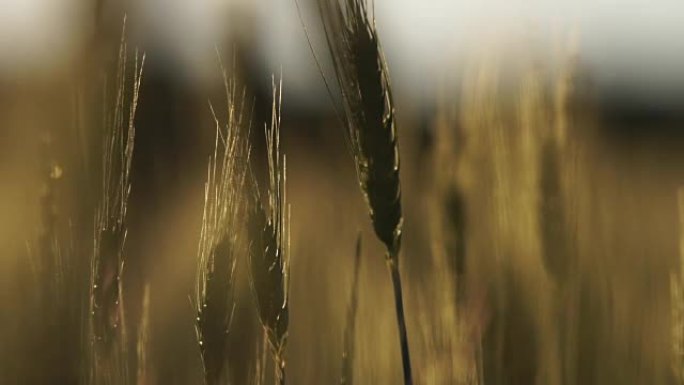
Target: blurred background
(541,146)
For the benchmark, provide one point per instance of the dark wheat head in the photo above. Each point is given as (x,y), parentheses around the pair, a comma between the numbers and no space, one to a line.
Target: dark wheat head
(368,115)
(363,79)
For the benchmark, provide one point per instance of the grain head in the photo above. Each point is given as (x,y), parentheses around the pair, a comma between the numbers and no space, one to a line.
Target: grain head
(107,326)
(368,112)
(269,247)
(220,241)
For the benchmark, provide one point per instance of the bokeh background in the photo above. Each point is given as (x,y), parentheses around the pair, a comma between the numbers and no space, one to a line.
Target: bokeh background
(541,146)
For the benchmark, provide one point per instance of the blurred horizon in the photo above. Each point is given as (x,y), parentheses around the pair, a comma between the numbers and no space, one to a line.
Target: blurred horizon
(629,49)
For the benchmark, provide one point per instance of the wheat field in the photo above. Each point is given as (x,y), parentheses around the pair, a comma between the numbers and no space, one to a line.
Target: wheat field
(165,230)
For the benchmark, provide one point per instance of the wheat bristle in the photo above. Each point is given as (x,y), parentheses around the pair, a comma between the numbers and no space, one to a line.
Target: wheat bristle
(220,241)
(269,248)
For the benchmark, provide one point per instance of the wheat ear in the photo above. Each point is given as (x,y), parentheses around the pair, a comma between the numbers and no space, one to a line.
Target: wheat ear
(362,76)
(106,302)
(220,237)
(269,248)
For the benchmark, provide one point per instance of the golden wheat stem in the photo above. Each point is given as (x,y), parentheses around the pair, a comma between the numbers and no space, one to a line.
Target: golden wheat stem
(347,376)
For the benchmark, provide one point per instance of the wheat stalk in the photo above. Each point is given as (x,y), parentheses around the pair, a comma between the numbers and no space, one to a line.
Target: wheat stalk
(107,327)
(269,248)
(220,241)
(347,377)
(362,75)
(142,348)
(54,290)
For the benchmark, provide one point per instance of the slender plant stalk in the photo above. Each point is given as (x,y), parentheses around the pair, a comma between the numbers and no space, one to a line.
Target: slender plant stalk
(220,241)
(269,248)
(347,377)
(107,323)
(143,376)
(54,288)
(448,203)
(363,79)
(261,359)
